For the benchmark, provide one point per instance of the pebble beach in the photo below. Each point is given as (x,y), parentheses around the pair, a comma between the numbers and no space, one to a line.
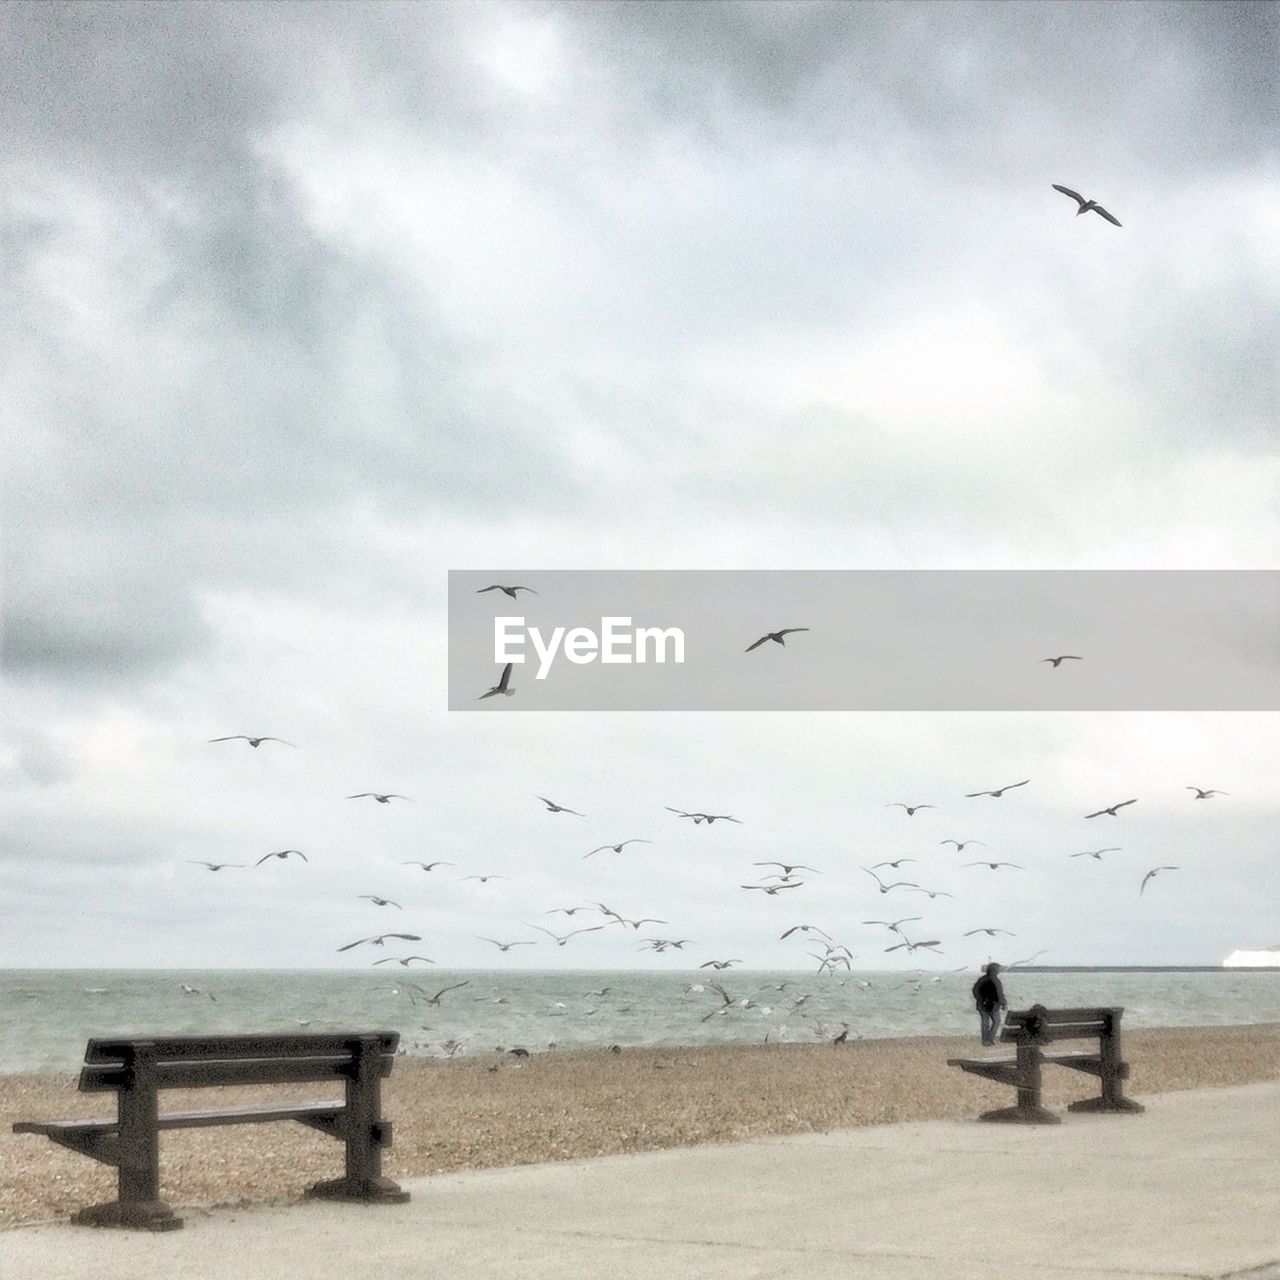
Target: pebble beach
(495,1110)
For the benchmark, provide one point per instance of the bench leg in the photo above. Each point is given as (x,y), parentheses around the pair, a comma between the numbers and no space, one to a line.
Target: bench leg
(365,1133)
(1029,1109)
(1118,1106)
(137,1154)
(1021,1115)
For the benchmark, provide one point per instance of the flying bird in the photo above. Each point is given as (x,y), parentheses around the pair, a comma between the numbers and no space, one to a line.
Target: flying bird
(506,946)
(617,848)
(215,866)
(1204,794)
(718,964)
(1061,658)
(910,808)
(935,893)
(708,818)
(381,798)
(897,884)
(253,742)
(1095,854)
(991,933)
(1086,205)
(962,845)
(788,867)
(772,889)
(994,865)
(895,864)
(281,853)
(380,940)
(1111,809)
(778,637)
(403,961)
(562,938)
(428,866)
(509,591)
(552,807)
(503,686)
(1155,871)
(435,999)
(379,902)
(895,925)
(804,928)
(998,792)
(931,945)
(485,879)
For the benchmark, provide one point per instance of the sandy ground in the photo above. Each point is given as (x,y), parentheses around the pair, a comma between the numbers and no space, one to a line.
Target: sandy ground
(498,1110)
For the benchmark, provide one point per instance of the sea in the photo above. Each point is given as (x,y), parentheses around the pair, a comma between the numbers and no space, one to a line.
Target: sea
(46,1016)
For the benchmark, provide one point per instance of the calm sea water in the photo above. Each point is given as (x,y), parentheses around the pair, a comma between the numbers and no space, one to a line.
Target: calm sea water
(47,1015)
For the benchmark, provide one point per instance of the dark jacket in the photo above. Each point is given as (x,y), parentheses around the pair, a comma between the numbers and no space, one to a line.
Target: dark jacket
(988,993)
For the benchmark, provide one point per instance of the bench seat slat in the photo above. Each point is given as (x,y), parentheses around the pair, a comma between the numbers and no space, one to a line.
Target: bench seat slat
(107,1077)
(108,1049)
(190,1119)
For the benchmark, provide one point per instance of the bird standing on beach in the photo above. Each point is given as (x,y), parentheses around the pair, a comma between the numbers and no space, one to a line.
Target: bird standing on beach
(1111,809)
(778,637)
(1086,205)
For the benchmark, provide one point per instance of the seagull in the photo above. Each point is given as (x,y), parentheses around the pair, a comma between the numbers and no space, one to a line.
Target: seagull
(804,928)
(428,866)
(894,925)
(195,991)
(991,933)
(435,999)
(910,808)
(772,889)
(1028,960)
(897,884)
(569,911)
(788,867)
(503,686)
(617,848)
(708,818)
(1086,205)
(281,853)
(1111,809)
(215,866)
(776,636)
(380,940)
(1155,871)
(1203,794)
(379,902)
(381,798)
(506,946)
(994,865)
(895,864)
(253,742)
(486,879)
(718,964)
(635,924)
(935,893)
(931,945)
(552,807)
(403,961)
(1095,854)
(962,845)
(998,792)
(1065,657)
(561,939)
(510,591)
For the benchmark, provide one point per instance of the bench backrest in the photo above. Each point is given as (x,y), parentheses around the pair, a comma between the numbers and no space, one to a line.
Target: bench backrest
(1042,1026)
(198,1061)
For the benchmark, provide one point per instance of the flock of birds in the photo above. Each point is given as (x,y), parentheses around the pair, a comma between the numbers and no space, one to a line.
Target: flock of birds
(771,878)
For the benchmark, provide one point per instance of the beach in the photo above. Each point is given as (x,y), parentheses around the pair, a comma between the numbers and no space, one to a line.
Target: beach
(498,1110)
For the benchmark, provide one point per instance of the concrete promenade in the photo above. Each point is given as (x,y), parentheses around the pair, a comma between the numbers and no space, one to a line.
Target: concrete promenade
(1190,1189)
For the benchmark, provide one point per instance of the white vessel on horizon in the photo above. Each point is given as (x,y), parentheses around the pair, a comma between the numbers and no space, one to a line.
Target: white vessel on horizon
(1265,957)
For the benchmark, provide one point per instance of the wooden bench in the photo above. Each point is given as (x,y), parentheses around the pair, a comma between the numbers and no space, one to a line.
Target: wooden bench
(1028,1030)
(136,1070)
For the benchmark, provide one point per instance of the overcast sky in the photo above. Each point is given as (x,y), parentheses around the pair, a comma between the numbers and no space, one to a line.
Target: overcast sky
(305,306)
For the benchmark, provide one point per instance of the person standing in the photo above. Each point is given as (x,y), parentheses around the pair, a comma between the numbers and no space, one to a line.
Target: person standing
(988,995)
